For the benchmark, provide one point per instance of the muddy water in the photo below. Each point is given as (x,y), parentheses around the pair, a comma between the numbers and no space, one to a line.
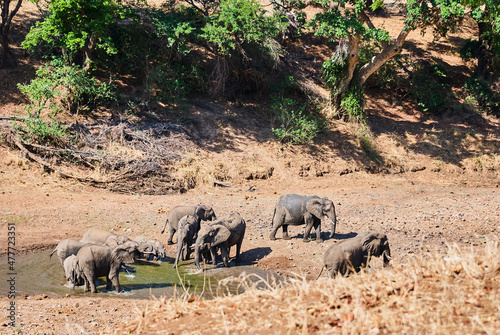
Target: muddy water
(39,274)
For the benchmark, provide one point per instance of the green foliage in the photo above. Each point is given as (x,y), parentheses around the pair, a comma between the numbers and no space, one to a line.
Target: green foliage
(77,25)
(469,50)
(483,94)
(58,85)
(352,104)
(172,83)
(240,22)
(36,130)
(295,126)
(429,87)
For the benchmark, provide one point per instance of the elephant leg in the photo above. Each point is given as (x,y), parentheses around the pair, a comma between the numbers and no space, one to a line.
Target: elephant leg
(224,252)
(317,228)
(108,284)
(93,289)
(214,255)
(285,232)
(171,235)
(86,286)
(188,253)
(185,252)
(278,220)
(238,250)
(116,283)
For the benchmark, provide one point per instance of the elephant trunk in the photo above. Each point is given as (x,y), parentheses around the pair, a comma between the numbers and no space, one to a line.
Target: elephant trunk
(386,255)
(333,218)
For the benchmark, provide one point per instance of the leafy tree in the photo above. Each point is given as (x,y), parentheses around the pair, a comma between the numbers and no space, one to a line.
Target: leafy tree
(8,14)
(349,23)
(78,26)
(232,31)
(487,49)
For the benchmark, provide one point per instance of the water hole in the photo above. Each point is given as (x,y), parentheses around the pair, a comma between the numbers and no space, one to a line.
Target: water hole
(37,273)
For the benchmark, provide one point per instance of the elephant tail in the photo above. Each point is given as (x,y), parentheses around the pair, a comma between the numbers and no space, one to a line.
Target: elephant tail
(322,268)
(50,256)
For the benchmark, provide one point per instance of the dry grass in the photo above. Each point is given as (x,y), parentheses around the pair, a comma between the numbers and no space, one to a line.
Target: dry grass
(431,294)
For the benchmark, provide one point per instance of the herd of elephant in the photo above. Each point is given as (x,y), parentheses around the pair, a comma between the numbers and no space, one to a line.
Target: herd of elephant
(100,253)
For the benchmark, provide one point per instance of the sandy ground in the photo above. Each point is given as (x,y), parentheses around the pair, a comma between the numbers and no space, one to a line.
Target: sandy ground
(419,211)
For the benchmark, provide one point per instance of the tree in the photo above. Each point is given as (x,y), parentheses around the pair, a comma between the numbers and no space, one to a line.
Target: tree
(78,26)
(487,49)
(349,23)
(6,58)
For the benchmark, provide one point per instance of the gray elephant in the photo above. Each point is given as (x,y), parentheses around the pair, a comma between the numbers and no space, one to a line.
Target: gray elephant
(294,209)
(66,248)
(151,248)
(223,235)
(100,260)
(71,271)
(95,235)
(352,254)
(200,212)
(113,240)
(188,228)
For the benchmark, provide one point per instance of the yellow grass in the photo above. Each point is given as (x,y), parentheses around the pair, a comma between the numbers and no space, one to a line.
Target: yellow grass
(430,294)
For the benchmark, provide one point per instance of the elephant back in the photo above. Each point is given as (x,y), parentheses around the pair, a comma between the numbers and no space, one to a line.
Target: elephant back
(236,226)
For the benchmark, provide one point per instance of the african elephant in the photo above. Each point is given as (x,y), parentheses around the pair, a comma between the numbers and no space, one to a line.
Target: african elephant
(66,248)
(200,212)
(113,240)
(294,209)
(100,260)
(188,227)
(151,247)
(71,271)
(221,234)
(354,253)
(95,235)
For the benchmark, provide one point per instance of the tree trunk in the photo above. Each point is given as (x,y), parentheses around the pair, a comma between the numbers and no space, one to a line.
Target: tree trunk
(387,53)
(88,51)
(485,56)
(352,60)
(6,58)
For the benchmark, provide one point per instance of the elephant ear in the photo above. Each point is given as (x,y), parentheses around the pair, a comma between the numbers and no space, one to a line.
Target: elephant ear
(221,235)
(373,243)
(146,247)
(315,207)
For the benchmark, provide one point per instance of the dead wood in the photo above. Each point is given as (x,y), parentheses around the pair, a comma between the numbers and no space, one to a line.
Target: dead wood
(116,155)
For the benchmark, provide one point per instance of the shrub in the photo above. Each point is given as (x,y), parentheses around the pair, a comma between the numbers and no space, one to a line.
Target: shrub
(58,85)
(429,87)
(35,129)
(295,127)
(483,94)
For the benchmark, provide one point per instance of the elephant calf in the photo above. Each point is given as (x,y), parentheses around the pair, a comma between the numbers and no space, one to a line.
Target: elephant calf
(151,248)
(66,248)
(71,270)
(100,260)
(352,254)
(294,209)
(188,228)
(223,235)
(200,212)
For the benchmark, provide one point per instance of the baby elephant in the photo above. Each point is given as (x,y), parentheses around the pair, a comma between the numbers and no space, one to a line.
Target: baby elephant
(354,253)
(186,235)
(71,271)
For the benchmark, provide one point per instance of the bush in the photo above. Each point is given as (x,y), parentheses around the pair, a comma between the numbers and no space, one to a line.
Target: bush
(35,129)
(429,87)
(483,94)
(58,85)
(295,127)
